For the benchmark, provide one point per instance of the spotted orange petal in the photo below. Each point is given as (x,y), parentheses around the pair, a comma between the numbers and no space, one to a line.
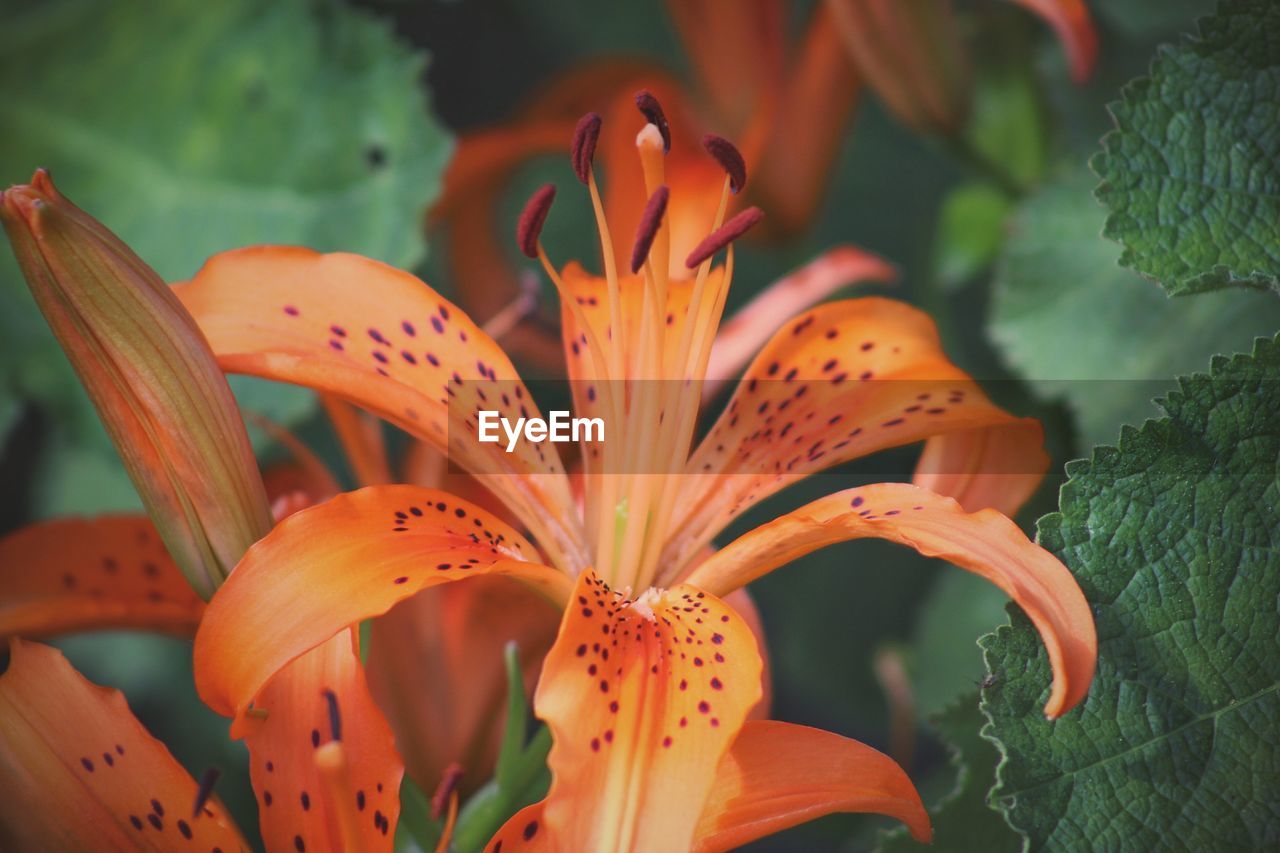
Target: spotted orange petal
(333,565)
(779,775)
(292,720)
(1071,22)
(436,666)
(985,543)
(81,773)
(383,339)
(643,698)
(751,327)
(81,574)
(843,380)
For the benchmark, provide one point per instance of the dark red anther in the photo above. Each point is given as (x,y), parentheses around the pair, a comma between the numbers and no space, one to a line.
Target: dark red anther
(650,222)
(724,235)
(729,158)
(583,151)
(205,790)
(335,716)
(448,784)
(532,218)
(652,110)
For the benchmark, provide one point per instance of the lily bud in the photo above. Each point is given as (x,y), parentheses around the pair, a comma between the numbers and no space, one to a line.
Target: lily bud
(910,52)
(152,377)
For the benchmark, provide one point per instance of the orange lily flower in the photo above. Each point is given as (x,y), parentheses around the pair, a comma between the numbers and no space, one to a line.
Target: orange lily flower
(790,101)
(649,684)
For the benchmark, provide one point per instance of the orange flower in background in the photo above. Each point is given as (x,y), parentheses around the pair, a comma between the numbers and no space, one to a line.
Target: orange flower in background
(789,100)
(648,687)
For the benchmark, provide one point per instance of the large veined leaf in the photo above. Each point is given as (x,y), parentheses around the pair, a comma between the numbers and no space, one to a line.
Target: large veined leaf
(189,128)
(1192,172)
(1174,536)
(1084,330)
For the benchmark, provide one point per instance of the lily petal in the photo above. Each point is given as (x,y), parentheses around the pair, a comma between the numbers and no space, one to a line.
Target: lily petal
(643,699)
(819,95)
(985,543)
(779,775)
(81,574)
(996,467)
(843,380)
(384,340)
(295,716)
(754,324)
(435,664)
(81,773)
(333,565)
(737,52)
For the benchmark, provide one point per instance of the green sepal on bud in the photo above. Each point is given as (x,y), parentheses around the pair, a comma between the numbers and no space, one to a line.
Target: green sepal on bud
(152,377)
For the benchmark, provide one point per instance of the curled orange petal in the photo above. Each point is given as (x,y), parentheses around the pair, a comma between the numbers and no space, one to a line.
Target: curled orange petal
(333,565)
(985,543)
(840,381)
(778,775)
(383,339)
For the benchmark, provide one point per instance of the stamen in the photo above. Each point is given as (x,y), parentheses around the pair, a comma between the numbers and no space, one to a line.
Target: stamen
(583,151)
(205,790)
(650,222)
(724,235)
(652,110)
(335,716)
(448,785)
(532,218)
(729,158)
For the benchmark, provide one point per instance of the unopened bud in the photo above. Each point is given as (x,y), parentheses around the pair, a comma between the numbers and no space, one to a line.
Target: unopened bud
(152,377)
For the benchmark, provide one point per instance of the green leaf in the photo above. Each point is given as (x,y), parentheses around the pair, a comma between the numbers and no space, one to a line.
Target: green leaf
(1173,537)
(963,822)
(1192,172)
(945,661)
(970,231)
(1081,329)
(189,129)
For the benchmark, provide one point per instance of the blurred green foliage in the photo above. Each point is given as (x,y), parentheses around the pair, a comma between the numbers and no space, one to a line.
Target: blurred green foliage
(190,129)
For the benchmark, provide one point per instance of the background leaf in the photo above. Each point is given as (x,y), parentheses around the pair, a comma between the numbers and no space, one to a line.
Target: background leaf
(963,822)
(1192,172)
(1173,538)
(189,129)
(1082,329)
